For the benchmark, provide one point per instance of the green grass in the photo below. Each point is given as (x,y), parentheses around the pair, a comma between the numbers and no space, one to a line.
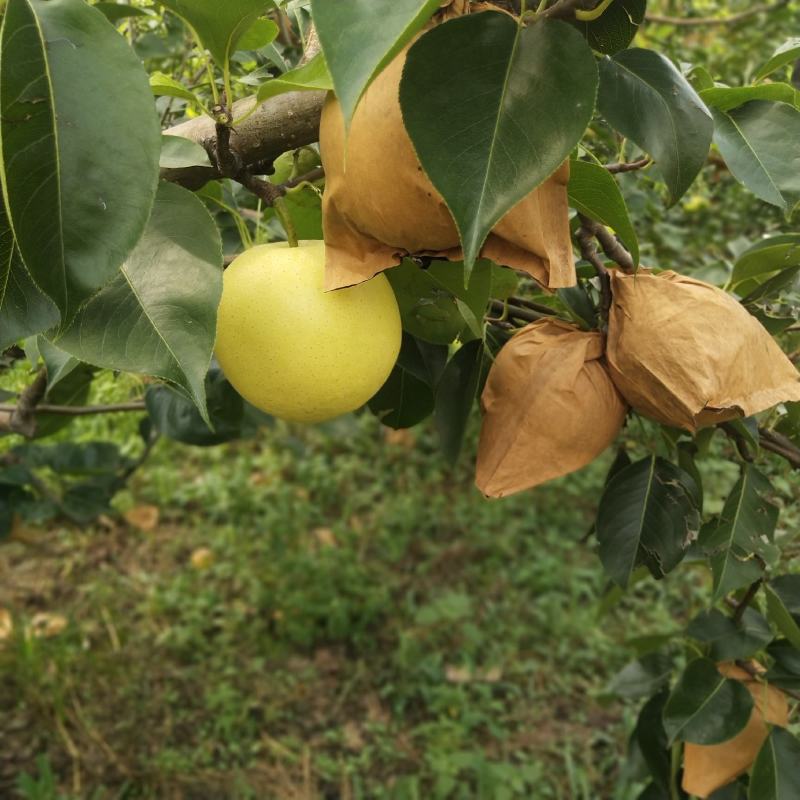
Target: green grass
(370,628)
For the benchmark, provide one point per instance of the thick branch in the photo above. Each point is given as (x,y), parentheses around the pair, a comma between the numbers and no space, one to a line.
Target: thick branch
(281,123)
(21,418)
(688,22)
(781,446)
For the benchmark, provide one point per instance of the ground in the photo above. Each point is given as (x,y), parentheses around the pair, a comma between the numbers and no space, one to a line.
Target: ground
(322,613)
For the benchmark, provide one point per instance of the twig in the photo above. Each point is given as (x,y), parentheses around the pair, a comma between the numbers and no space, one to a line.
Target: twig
(738,440)
(612,247)
(21,418)
(542,309)
(780,445)
(565,9)
(744,603)
(78,411)
(586,239)
(628,166)
(525,314)
(688,22)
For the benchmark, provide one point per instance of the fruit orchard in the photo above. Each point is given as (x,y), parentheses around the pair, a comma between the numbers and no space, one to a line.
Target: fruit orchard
(417,209)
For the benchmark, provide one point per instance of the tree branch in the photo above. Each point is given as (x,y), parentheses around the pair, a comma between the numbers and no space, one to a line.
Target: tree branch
(76,411)
(629,166)
(21,418)
(733,19)
(781,446)
(744,603)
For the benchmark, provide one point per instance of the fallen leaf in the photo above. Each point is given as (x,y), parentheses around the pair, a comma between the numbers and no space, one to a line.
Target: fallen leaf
(325,537)
(45,625)
(465,675)
(351,732)
(710,767)
(403,437)
(202,558)
(6,624)
(145,518)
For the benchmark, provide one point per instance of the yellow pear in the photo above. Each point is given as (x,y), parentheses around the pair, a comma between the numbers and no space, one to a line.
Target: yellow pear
(296,351)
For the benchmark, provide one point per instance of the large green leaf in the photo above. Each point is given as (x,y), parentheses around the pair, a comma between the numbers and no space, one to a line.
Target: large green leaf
(24,310)
(616,27)
(775,774)
(705,707)
(767,257)
(360,37)
(79,183)
(783,606)
(219,24)
(725,98)
(789,51)
(456,393)
(114,12)
(158,317)
(178,153)
(646,99)
(313,76)
(492,109)
(403,401)
(746,521)
(760,142)
(727,639)
(647,516)
(594,192)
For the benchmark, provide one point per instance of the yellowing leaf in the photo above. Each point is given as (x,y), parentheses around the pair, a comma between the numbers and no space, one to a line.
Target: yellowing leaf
(145,518)
(45,625)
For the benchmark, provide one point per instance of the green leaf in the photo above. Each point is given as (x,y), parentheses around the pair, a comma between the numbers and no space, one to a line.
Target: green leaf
(57,363)
(705,707)
(72,390)
(766,257)
(360,37)
(727,639)
(594,192)
(404,400)
(724,98)
(231,417)
(475,295)
(646,99)
(747,518)
(616,27)
(158,316)
(114,12)
(177,153)
(219,25)
(313,76)
(423,360)
(647,516)
(789,51)
(429,312)
(775,774)
(79,184)
(760,142)
(261,33)
(651,737)
(24,310)
(782,609)
(489,141)
(642,677)
(700,78)
(164,85)
(305,209)
(456,393)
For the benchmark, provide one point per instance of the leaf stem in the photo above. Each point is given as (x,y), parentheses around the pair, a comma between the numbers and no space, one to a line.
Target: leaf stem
(283,215)
(588,16)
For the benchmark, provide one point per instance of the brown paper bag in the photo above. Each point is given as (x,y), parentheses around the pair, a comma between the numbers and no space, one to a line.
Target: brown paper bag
(710,767)
(549,408)
(689,355)
(379,205)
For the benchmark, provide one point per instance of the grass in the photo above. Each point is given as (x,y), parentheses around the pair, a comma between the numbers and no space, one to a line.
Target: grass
(362,625)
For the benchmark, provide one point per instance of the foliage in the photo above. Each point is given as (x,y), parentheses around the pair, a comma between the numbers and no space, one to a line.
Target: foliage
(107,264)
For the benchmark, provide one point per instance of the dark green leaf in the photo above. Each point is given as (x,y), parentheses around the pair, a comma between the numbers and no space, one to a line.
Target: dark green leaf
(643,677)
(724,98)
(787,587)
(456,393)
(423,360)
(705,707)
(747,519)
(594,192)
(646,99)
(578,302)
(647,516)
(789,51)
(651,737)
(219,25)
(775,774)
(360,37)
(58,363)
(79,187)
(403,401)
(313,76)
(175,417)
(72,458)
(727,639)
(261,33)
(786,655)
(781,609)
(760,142)
(158,317)
(616,27)
(24,310)
(429,312)
(488,141)
(72,390)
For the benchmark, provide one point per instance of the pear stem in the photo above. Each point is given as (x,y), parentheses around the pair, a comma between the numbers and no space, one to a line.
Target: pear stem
(283,215)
